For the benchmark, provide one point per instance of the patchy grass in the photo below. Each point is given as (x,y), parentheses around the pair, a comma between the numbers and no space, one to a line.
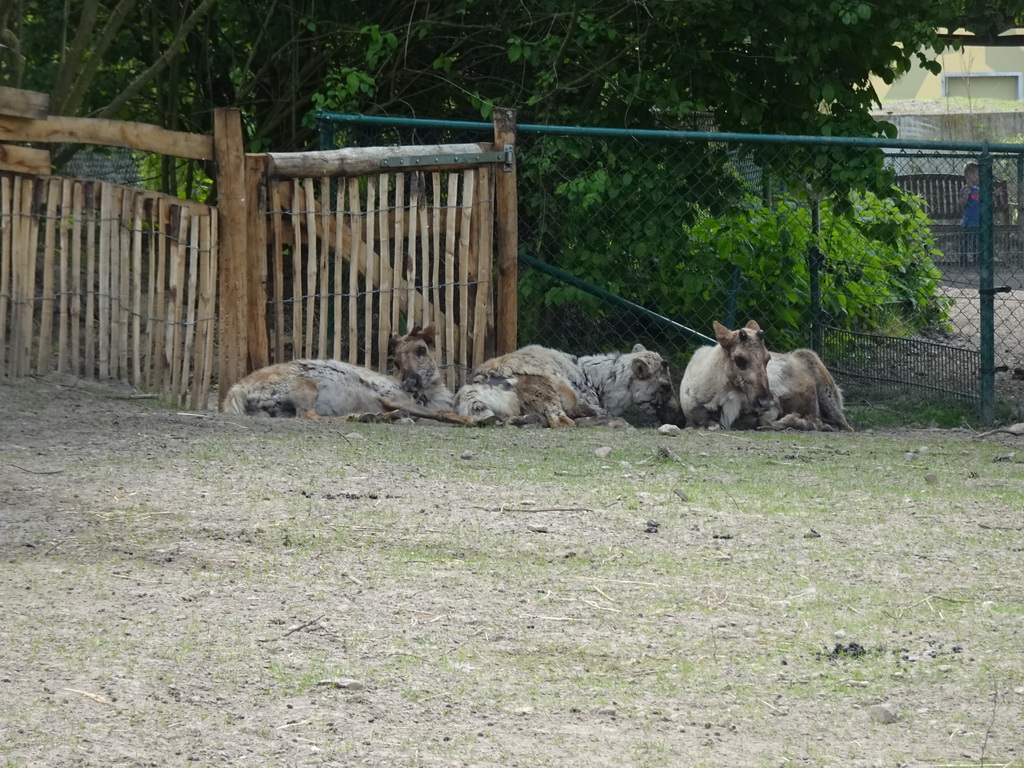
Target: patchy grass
(897,413)
(203,591)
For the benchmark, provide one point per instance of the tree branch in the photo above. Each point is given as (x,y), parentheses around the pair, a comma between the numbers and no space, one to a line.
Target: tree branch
(172,50)
(12,54)
(71,60)
(87,74)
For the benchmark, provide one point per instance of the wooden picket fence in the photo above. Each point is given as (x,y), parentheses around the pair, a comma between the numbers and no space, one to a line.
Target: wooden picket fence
(104,281)
(306,255)
(356,256)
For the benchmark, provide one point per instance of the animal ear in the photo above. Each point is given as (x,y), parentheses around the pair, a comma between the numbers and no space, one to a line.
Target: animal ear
(427,334)
(643,367)
(725,337)
(639,348)
(752,325)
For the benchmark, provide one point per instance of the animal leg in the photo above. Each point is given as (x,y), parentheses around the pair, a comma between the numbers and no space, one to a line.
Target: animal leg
(792,421)
(701,417)
(832,409)
(482,415)
(558,418)
(362,418)
(528,420)
(420,412)
(540,395)
(748,420)
(448,417)
(487,420)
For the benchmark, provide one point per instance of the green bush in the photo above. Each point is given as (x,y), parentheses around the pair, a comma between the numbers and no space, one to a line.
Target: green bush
(876,274)
(693,238)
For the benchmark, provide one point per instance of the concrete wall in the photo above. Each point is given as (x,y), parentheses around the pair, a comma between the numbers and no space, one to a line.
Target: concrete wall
(995,127)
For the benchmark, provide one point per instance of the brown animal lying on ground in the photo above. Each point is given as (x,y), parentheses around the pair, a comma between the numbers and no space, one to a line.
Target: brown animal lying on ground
(540,382)
(806,395)
(312,388)
(739,384)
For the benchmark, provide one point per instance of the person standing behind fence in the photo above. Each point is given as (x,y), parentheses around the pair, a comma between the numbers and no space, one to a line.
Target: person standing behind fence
(970,203)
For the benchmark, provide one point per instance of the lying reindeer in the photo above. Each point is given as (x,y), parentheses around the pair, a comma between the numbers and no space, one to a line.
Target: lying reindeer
(739,384)
(559,388)
(311,388)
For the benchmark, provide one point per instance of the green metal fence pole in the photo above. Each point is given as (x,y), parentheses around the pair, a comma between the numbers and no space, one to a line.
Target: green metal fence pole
(1016,210)
(987,388)
(326,137)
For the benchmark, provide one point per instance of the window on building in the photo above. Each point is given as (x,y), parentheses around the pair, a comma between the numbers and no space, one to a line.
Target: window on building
(983,85)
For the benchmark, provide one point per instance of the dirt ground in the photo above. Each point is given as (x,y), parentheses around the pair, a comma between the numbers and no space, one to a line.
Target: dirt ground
(184,589)
(1008,319)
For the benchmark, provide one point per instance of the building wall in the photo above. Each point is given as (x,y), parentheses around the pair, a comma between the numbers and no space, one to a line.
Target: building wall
(974,72)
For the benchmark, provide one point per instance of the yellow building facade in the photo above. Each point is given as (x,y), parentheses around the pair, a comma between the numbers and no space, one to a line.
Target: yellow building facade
(972,73)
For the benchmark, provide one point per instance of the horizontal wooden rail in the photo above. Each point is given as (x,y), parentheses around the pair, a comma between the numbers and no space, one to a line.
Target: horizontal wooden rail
(24,160)
(19,103)
(112,133)
(357,161)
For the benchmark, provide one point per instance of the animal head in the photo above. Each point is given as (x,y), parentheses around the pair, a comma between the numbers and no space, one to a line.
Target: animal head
(746,363)
(414,363)
(650,385)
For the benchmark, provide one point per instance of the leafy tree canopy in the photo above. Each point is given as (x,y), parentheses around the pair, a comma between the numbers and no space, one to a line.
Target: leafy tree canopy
(784,67)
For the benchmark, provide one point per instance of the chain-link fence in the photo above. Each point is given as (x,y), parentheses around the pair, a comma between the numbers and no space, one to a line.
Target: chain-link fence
(908,286)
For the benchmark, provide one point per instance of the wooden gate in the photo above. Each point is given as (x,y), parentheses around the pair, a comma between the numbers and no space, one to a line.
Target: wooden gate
(103,281)
(367,242)
(100,280)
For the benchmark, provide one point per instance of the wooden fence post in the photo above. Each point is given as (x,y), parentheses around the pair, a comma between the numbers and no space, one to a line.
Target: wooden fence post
(506,211)
(234,245)
(256,205)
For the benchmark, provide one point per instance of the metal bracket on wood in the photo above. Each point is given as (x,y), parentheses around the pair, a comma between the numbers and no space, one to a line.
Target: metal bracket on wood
(472,158)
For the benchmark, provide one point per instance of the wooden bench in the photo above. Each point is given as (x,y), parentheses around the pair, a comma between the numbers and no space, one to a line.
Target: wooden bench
(941,193)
